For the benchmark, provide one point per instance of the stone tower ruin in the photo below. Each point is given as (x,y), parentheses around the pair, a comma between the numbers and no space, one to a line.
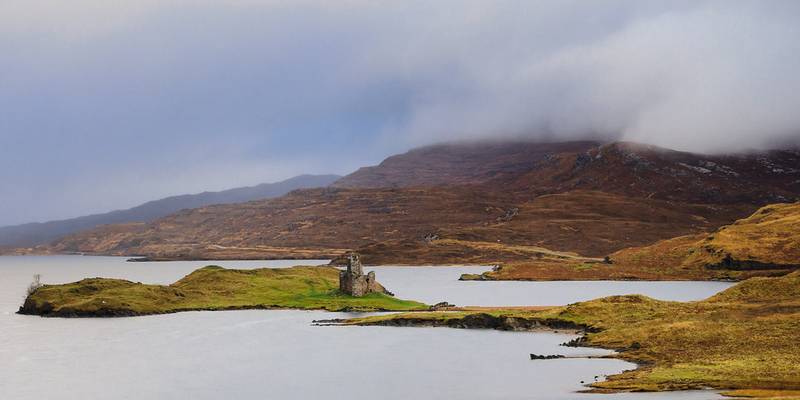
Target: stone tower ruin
(352,280)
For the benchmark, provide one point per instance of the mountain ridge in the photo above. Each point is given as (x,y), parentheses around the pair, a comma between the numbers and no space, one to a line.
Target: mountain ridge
(458,163)
(583,197)
(31,234)
(627,168)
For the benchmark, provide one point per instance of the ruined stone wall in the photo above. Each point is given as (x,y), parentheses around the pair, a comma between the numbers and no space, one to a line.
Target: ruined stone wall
(353,281)
(359,285)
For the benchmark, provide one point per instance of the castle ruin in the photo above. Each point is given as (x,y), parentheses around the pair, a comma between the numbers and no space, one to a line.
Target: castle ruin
(352,280)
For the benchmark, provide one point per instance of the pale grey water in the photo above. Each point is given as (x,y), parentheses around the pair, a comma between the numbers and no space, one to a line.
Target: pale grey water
(279,355)
(434,284)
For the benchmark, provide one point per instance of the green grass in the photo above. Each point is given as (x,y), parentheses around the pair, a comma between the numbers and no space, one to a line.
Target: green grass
(210,288)
(583,267)
(744,338)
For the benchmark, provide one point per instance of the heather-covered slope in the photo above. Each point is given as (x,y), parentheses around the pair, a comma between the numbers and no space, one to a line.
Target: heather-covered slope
(325,220)
(470,163)
(576,197)
(630,169)
(643,171)
(330,221)
(765,243)
(768,239)
(589,223)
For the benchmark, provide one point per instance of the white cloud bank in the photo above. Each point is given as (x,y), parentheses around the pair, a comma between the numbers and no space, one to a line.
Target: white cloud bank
(714,76)
(138,99)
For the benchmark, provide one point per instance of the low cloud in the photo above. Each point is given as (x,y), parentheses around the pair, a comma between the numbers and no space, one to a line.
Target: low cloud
(177,95)
(713,77)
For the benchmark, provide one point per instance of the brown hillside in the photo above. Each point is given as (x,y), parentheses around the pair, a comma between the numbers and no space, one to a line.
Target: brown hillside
(329,221)
(528,169)
(768,240)
(576,197)
(324,220)
(460,164)
(638,170)
(766,243)
(589,223)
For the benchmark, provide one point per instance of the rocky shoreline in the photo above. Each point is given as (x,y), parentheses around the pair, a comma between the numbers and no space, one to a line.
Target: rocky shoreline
(675,345)
(482,321)
(46,310)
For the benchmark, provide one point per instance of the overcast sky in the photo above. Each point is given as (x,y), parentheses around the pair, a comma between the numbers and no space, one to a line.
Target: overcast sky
(106,104)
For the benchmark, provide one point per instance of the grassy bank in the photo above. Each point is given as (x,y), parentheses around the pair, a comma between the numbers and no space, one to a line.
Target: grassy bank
(208,288)
(743,338)
(767,243)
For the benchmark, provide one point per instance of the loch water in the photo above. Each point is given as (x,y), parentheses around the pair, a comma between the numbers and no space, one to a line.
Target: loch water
(271,354)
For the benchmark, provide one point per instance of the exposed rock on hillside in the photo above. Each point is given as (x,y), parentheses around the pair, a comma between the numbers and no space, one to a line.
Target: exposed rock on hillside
(625,168)
(638,170)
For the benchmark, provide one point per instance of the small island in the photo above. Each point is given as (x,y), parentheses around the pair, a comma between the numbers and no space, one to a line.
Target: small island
(214,288)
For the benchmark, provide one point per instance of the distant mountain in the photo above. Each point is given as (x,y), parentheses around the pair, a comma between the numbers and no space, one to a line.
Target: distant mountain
(468,163)
(645,171)
(582,197)
(32,234)
(630,169)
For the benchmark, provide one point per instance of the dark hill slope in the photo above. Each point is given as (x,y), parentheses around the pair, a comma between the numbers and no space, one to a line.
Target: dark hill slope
(460,164)
(630,169)
(637,170)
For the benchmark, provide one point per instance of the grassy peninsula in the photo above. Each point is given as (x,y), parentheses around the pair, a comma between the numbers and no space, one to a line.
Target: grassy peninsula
(744,339)
(208,288)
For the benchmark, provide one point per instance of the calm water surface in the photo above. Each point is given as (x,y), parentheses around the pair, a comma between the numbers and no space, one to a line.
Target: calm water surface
(434,284)
(278,354)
